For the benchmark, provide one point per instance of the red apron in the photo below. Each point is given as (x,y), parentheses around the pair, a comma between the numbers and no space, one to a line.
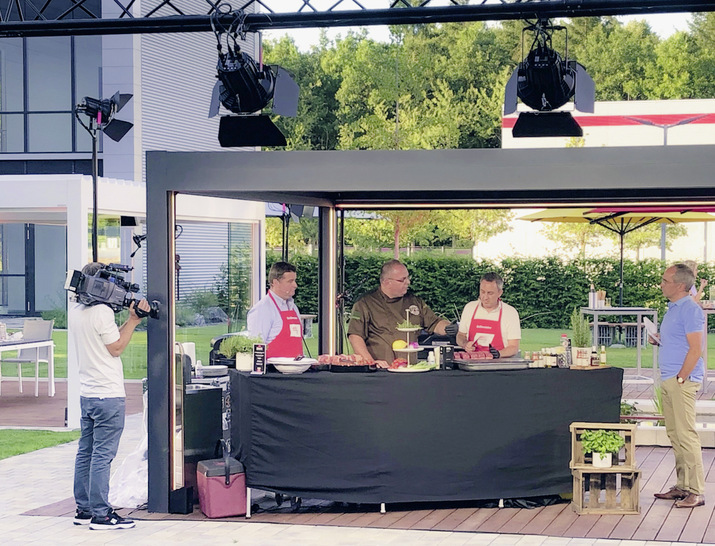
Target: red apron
(479,327)
(289,341)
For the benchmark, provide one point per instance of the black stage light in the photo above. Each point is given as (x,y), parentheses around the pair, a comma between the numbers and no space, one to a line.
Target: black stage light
(248,131)
(546,124)
(544,82)
(102,112)
(245,87)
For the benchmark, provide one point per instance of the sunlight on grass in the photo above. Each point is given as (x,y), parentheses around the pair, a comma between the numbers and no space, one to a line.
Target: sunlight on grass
(17,441)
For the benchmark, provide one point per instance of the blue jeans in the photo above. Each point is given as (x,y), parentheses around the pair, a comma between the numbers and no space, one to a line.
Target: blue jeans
(101,425)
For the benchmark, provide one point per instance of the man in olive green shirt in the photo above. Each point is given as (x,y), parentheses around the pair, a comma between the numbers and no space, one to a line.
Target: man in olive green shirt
(375,316)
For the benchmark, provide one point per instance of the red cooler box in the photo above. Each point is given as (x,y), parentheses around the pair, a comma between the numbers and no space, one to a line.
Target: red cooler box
(222,487)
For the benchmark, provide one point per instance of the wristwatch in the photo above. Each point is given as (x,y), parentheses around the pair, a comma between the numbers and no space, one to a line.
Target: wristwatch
(680,380)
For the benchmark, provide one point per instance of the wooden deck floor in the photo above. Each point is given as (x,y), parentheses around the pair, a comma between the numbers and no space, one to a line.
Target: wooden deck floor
(658,520)
(26,410)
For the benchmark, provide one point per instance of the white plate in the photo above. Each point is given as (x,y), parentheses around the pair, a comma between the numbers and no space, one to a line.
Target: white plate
(409,329)
(287,360)
(409,370)
(406,350)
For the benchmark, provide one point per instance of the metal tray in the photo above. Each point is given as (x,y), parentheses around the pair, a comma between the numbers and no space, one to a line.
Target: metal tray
(216,370)
(360,368)
(486,365)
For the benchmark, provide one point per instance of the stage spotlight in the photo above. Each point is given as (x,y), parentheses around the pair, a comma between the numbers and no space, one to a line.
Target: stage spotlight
(245,87)
(102,111)
(101,118)
(544,82)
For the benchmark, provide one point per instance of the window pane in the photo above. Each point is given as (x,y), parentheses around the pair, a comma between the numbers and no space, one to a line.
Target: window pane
(11,80)
(12,133)
(84,141)
(49,75)
(49,133)
(88,58)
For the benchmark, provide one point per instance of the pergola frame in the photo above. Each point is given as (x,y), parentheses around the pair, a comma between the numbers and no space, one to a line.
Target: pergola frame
(332,180)
(379,179)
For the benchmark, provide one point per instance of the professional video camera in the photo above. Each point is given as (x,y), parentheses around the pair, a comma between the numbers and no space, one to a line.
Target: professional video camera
(109,287)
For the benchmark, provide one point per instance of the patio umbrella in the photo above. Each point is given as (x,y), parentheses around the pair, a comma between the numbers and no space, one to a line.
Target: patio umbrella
(623,220)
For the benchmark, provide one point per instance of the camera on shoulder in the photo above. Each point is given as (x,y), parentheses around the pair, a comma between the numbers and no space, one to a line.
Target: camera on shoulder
(107,286)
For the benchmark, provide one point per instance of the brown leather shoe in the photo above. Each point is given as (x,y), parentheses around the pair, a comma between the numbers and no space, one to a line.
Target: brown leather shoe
(691,501)
(674,493)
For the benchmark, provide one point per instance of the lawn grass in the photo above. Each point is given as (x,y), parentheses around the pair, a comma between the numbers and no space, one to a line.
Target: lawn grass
(17,441)
(134,357)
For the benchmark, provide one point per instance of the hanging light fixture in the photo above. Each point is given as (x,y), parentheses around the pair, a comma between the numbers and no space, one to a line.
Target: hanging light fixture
(245,87)
(545,81)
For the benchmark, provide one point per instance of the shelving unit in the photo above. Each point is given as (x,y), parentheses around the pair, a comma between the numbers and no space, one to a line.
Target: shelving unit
(611,490)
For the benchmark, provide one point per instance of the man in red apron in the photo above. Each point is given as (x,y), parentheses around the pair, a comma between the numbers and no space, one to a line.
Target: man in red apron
(275,318)
(489,324)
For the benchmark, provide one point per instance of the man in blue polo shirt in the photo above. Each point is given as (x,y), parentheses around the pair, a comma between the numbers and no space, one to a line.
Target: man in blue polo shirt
(682,371)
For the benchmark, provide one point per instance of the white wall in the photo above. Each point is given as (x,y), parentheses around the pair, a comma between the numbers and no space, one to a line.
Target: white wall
(121,72)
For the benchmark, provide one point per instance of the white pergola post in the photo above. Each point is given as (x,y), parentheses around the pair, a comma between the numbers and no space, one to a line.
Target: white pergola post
(79,203)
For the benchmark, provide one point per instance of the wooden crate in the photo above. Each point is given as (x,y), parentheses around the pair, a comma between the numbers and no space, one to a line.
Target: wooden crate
(581,461)
(607,491)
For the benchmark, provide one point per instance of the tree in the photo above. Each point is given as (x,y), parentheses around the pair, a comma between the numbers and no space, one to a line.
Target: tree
(618,57)
(302,235)
(574,236)
(404,223)
(672,75)
(702,29)
(316,126)
(648,236)
(368,233)
(474,225)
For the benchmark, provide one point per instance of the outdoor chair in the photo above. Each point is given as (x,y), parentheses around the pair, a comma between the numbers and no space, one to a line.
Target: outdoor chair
(37,330)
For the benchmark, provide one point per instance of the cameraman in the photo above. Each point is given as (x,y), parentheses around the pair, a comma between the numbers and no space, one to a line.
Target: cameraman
(99,343)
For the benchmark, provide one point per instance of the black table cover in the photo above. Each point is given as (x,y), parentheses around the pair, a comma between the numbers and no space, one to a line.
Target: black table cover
(440,435)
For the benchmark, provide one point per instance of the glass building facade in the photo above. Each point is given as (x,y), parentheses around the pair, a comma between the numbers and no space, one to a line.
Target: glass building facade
(41,82)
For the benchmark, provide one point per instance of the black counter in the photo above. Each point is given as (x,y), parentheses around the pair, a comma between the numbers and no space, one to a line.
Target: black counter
(440,435)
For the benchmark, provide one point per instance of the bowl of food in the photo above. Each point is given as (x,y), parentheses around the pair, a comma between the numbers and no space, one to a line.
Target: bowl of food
(289,365)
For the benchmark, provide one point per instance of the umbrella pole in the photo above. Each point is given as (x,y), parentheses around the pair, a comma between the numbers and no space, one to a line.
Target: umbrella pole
(620,282)
(621,339)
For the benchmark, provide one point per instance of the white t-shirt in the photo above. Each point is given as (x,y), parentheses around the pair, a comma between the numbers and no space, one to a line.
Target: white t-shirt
(510,324)
(93,328)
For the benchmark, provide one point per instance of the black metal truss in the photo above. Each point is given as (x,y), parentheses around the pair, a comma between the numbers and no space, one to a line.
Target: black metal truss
(83,17)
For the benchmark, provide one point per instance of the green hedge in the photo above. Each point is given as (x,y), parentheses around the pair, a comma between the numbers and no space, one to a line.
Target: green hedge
(544,290)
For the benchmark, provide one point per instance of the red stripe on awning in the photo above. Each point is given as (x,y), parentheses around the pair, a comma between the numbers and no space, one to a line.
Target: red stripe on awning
(616,121)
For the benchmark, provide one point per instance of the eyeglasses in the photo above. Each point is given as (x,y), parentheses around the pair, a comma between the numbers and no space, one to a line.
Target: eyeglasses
(402,280)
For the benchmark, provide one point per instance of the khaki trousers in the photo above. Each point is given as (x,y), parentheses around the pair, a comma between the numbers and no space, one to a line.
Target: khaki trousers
(679,413)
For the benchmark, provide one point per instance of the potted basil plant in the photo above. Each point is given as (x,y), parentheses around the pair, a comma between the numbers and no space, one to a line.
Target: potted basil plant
(603,444)
(240,348)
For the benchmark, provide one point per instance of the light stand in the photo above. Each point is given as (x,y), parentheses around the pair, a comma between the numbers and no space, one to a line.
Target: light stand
(101,118)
